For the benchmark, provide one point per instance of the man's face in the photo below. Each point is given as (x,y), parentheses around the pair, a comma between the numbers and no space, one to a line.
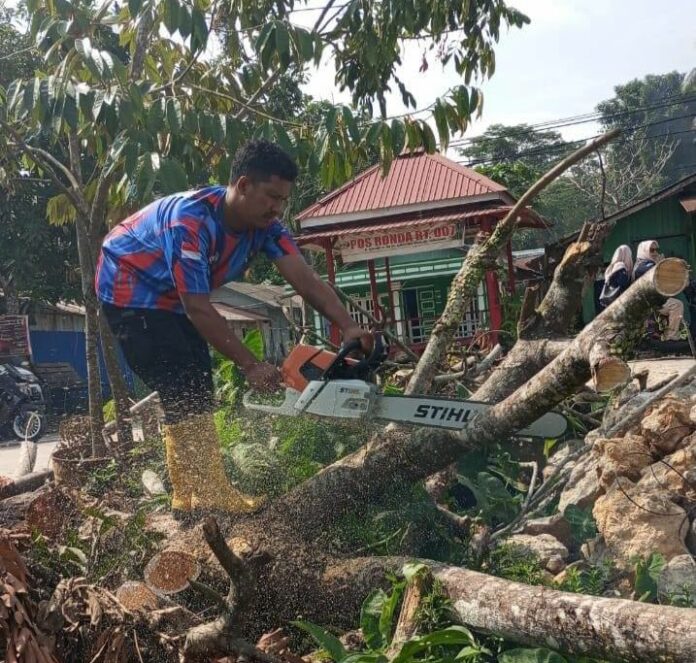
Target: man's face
(263,201)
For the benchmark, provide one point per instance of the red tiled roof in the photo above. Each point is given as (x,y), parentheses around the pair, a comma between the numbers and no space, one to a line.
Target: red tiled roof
(412,179)
(530,219)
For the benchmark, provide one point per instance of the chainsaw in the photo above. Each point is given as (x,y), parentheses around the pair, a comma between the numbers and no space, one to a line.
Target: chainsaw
(328,384)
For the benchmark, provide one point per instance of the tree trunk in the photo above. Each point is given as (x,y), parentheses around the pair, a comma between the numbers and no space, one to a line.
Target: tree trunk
(612,629)
(395,456)
(96,400)
(119,390)
(12,306)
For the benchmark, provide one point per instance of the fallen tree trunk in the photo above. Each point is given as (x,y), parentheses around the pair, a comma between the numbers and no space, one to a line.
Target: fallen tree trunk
(604,628)
(295,574)
(396,456)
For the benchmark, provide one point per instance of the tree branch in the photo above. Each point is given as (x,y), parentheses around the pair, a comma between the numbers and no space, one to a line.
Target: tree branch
(467,280)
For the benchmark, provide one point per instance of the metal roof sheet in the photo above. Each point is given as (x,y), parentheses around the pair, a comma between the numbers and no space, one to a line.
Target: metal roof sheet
(528,216)
(413,178)
(237,314)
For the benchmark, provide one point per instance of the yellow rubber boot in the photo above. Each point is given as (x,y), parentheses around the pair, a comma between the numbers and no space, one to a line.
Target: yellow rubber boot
(211,488)
(177,464)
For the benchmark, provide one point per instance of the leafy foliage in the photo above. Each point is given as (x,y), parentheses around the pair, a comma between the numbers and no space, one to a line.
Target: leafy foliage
(377,620)
(492,487)
(593,580)
(582,523)
(515,563)
(647,571)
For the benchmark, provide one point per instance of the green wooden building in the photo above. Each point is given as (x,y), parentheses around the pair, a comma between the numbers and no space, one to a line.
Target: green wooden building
(668,216)
(394,242)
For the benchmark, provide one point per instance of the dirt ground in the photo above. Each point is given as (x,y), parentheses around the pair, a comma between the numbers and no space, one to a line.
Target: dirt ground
(661,368)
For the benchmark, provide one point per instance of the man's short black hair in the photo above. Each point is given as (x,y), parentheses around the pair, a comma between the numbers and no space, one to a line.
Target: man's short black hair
(260,159)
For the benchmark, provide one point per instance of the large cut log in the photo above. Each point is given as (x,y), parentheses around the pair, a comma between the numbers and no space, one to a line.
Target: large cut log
(603,628)
(396,456)
(608,629)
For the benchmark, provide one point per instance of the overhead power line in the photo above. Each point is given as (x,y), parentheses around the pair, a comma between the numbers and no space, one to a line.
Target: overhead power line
(550,149)
(585,118)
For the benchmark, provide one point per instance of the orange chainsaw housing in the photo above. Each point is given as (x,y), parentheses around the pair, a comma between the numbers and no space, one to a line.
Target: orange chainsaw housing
(305,363)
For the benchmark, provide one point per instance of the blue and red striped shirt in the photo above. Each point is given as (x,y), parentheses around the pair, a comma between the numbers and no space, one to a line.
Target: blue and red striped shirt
(179,245)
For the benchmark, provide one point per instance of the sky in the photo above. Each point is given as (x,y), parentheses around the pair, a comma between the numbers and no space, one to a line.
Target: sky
(563,63)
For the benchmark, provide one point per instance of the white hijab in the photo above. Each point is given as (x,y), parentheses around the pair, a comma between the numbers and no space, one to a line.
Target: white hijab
(643,252)
(622,259)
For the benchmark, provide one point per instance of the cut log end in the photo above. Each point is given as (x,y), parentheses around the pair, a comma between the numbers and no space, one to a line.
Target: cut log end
(169,572)
(611,372)
(671,276)
(137,596)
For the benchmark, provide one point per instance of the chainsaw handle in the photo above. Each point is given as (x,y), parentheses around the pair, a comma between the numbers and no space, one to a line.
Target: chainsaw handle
(361,366)
(341,357)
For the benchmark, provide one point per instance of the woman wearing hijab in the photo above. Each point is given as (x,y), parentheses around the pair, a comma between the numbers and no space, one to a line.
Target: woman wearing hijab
(647,256)
(617,276)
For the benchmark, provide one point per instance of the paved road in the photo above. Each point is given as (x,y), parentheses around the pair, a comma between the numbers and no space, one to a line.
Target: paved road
(9,454)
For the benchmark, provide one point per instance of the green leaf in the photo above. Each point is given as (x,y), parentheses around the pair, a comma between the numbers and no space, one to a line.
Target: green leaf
(134,7)
(283,138)
(461,98)
(305,44)
(70,111)
(268,46)
(370,618)
(172,177)
(171,15)
(364,657)
(476,101)
(398,136)
(582,523)
(264,37)
(330,120)
(330,643)
(14,93)
(452,635)
(99,101)
(199,34)
(31,94)
(386,618)
(549,444)
(531,656)
(174,116)
(440,116)
(646,574)
(429,141)
(372,134)
(59,210)
(253,341)
(318,48)
(282,44)
(351,124)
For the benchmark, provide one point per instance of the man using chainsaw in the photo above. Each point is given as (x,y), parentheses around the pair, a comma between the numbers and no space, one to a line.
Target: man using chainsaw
(154,277)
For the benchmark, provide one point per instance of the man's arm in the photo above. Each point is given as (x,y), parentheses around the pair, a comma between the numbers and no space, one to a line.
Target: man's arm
(213,328)
(321,297)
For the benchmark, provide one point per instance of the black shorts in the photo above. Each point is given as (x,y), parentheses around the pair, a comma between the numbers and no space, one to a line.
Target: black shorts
(168,354)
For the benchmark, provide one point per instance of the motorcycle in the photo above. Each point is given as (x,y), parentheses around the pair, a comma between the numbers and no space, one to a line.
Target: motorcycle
(22,404)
